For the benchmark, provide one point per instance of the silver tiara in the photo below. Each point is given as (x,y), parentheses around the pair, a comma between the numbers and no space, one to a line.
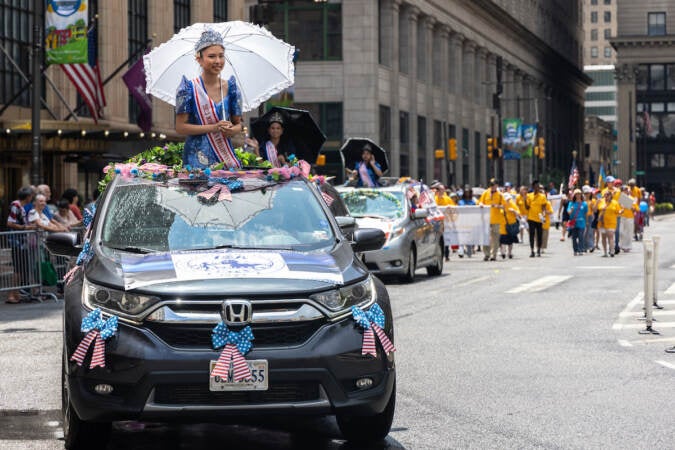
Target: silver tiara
(276,117)
(208,38)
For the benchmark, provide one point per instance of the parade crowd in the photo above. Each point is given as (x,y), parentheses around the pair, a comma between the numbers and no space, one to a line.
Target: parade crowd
(606,218)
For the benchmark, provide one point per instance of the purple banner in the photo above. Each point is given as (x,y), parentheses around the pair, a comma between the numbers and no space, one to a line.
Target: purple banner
(135,81)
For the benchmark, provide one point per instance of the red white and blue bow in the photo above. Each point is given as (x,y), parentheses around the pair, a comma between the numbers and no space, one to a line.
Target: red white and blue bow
(372,322)
(97,330)
(236,344)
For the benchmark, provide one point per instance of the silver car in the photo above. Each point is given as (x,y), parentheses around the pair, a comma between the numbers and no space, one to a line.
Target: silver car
(413,238)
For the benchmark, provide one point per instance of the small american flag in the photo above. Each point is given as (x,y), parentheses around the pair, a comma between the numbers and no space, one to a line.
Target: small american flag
(328,199)
(87,78)
(574,175)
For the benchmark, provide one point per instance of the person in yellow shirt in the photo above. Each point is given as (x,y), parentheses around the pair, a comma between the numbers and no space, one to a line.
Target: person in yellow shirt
(493,199)
(546,224)
(535,206)
(609,209)
(510,217)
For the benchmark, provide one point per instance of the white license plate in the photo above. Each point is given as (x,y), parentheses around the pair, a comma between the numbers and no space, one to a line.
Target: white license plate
(257,382)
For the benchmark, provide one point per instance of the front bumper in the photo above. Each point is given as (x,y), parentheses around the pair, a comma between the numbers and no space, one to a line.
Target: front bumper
(154,381)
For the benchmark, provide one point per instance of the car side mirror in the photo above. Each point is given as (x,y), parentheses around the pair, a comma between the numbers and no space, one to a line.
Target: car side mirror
(63,243)
(420,213)
(366,239)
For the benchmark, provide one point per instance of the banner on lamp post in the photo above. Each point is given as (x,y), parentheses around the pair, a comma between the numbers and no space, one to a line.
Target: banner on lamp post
(66,31)
(511,136)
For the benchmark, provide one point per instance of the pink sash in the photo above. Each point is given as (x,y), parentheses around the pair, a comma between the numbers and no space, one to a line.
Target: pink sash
(206,111)
(272,155)
(365,177)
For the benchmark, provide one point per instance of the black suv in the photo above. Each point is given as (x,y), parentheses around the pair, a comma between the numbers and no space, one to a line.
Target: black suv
(170,260)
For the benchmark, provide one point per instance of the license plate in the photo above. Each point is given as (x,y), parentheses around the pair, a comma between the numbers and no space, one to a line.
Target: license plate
(257,382)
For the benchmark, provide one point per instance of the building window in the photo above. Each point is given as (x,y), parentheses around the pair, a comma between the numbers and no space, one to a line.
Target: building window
(404,128)
(657,77)
(314,28)
(656,24)
(385,127)
(17,39)
(421,146)
(181,14)
(608,52)
(594,52)
(137,15)
(220,11)
(594,34)
(608,33)
(607,16)
(594,17)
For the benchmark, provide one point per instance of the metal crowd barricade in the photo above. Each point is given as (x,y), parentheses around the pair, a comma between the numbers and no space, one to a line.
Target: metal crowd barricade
(20,264)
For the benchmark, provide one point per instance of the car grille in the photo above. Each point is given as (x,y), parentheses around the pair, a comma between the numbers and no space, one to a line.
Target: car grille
(199,394)
(268,335)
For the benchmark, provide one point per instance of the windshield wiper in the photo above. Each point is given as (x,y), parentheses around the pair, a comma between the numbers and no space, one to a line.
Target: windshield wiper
(131,249)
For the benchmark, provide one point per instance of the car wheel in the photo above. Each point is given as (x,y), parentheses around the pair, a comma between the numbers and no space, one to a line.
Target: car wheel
(77,433)
(437,268)
(409,276)
(368,429)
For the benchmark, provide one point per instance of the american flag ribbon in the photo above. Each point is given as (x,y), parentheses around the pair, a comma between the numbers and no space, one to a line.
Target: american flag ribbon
(372,322)
(98,331)
(236,345)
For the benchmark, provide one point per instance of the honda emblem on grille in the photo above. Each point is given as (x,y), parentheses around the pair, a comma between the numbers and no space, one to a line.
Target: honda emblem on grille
(236,312)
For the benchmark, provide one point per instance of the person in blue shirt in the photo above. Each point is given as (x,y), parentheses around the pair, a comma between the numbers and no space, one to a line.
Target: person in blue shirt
(577,210)
(367,171)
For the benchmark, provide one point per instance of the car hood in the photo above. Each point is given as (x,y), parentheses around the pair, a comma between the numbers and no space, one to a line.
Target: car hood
(235,272)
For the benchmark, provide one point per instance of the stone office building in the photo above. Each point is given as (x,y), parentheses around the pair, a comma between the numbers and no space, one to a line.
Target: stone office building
(411,74)
(645,74)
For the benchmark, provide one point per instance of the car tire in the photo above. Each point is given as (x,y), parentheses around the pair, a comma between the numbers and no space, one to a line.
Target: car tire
(368,429)
(78,434)
(437,268)
(411,267)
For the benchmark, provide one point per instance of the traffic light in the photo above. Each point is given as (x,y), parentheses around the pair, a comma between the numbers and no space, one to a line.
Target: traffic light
(491,148)
(542,147)
(452,146)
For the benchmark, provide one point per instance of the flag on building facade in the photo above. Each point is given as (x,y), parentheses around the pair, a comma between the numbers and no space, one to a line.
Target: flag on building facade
(135,81)
(574,175)
(87,77)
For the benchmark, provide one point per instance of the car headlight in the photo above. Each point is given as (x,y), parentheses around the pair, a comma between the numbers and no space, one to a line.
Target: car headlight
(361,293)
(118,302)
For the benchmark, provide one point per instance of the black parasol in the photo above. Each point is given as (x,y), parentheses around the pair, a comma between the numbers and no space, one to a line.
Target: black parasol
(302,136)
(353,148)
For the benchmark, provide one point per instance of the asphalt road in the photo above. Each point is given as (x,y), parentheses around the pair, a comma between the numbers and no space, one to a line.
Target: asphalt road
(523,353)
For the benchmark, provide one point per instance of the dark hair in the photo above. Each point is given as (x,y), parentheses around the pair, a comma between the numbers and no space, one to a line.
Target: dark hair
(69,194)
(63,204)
(24,192)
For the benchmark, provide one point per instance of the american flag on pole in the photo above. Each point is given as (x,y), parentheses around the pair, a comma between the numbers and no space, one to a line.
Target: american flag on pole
(574,175)
(87,77)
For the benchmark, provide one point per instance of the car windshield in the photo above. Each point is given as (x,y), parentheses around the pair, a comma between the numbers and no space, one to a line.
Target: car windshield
(374,203)
(145,217)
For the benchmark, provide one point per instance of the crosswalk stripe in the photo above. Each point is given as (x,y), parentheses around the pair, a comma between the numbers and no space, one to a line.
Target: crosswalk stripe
(539,284)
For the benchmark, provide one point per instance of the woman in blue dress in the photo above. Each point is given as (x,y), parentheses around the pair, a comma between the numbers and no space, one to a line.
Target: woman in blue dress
(208,109)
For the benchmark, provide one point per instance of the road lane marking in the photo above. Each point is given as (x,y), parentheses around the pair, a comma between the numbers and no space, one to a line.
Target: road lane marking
(665,364)
(637,326)
(540,284)
(670,290)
